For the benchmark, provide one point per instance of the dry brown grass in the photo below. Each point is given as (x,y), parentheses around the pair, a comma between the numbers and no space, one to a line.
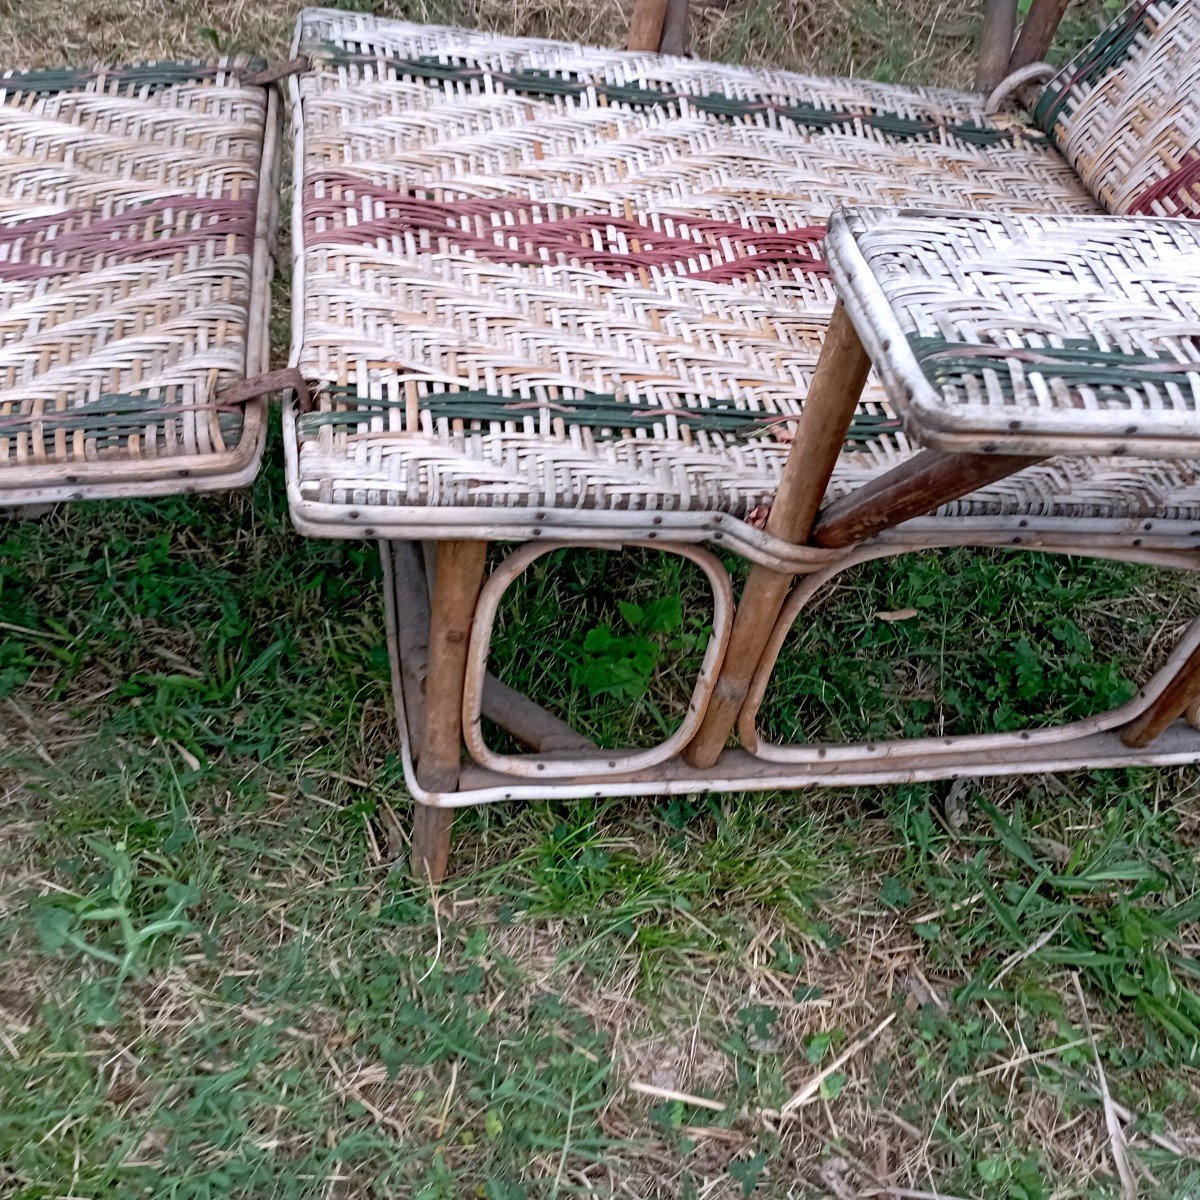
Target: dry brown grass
(932,43)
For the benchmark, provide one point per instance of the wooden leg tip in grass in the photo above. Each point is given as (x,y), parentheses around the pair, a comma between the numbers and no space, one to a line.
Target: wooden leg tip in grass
(430,842)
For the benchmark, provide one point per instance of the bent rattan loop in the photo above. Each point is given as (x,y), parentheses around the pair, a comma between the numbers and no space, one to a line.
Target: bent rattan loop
(1017,82)
(921,748)
(544,766)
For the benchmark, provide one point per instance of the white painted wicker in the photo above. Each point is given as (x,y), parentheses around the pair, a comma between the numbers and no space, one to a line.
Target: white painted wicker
(1035,335)
(544,289)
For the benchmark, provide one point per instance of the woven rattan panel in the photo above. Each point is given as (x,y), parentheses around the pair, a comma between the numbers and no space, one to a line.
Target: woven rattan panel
(535,274)
(1030,335)
(130,286)
(1126,111)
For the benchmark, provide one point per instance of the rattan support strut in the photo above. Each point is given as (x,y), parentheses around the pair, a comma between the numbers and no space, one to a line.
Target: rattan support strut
(820,435)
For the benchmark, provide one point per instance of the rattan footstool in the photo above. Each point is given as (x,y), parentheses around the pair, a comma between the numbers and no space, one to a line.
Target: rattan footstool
(137,206)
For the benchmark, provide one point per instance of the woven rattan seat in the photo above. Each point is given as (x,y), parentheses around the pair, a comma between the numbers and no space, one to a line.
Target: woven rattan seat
(536,276)
(135,211)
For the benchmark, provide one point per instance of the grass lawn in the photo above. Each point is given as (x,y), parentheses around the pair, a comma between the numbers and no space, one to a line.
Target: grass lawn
(214,985)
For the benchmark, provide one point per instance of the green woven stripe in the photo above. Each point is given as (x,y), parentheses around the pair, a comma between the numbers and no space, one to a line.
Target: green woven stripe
(1081,363)
(113,417)
(153,76)
(1109,49)
(531,82)
(603,413)
(894,126)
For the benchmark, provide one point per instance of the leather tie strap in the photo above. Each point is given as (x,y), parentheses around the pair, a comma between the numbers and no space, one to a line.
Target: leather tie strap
(262,385)
(293,66)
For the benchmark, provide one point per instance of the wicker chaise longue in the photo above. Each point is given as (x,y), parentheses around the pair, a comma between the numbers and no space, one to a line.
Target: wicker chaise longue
(556,295)
(137,214)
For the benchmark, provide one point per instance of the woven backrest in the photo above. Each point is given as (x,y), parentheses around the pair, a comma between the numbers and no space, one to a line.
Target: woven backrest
(1126,111)
(132,206)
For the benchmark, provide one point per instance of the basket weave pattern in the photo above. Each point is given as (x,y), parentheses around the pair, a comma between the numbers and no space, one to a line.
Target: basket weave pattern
(538,274)
(129,201)
(1031,333)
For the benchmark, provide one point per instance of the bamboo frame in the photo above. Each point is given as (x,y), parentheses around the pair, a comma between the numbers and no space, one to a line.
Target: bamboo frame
(1090,744)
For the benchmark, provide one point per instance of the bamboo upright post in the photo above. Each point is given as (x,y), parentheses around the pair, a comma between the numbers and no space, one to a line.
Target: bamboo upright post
(1037,33)
(820,434)
(431,828)
(995,42)
(675,28)
(646,24)
(457,581)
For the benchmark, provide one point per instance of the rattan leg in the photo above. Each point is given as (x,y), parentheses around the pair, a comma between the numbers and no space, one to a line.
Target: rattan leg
(411,617)
(675,28)
(820,433)
(457,580)
(995,42)
(1176,700)
(431,841)
(1037,32)
(646,24)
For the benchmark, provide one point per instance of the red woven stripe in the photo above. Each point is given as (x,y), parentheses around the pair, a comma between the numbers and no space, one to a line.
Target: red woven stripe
(507,230)
(1181,185)
(35,249)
